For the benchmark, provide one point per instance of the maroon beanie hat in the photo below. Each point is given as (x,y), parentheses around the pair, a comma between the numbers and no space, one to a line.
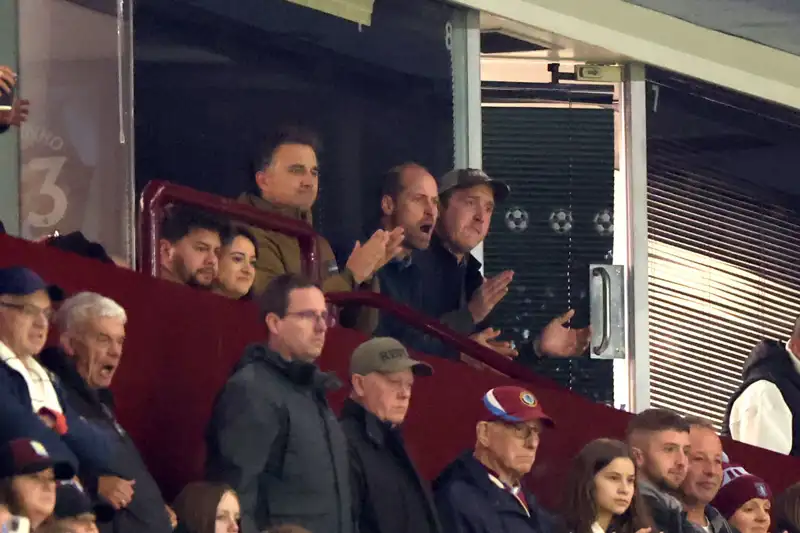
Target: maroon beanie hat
(739,487)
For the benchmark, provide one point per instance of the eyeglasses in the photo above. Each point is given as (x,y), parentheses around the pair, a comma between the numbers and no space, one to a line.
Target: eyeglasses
(29,310)
(314,316)
(523,431)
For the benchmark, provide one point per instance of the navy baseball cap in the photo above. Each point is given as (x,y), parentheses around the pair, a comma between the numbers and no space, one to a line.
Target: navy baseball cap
(21,281)
(72,502)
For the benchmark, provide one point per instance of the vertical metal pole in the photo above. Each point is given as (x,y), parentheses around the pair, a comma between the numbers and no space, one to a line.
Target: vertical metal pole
(464,36)
(633,167)
(10,140)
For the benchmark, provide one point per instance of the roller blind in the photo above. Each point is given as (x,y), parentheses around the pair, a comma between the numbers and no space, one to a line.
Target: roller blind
(359,11)
(724,267)
(559,162)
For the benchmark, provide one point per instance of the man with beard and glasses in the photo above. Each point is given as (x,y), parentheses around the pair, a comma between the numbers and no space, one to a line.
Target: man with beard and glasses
(703,478)
(189,247)
(660,444)
(92,334)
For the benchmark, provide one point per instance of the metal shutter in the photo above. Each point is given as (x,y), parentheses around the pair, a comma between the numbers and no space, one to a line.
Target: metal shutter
(558,161)
(724,255)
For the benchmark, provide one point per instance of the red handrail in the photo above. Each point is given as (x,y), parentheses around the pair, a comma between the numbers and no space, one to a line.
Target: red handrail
(157,195)
(436,329)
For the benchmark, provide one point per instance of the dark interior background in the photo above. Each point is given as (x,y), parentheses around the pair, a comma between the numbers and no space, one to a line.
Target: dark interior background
(214,78)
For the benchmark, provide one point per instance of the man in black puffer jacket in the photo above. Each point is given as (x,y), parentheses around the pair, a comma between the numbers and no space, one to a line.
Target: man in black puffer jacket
(272,436)
(765,410)
(92,330)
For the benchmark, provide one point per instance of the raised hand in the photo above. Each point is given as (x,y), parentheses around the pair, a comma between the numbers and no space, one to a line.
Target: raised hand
(487,338)
(559,340)
(488,295)
(365,258)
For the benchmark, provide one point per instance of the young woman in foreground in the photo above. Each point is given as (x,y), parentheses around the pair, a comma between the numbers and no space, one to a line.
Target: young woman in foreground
(601,494)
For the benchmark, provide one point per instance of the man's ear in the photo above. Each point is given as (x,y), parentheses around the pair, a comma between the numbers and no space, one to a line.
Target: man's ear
(273,323)
(262,178)
(66,343)
(638,456)
(165,251)
(357,382)
(387,205)
(482,433)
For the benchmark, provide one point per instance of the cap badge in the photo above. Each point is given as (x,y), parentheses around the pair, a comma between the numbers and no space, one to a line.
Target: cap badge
(40,450)
(528,399)
(761,490)
(388,355)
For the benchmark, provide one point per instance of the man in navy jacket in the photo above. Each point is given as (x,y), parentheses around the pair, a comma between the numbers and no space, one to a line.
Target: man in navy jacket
(481,491)
(32,405)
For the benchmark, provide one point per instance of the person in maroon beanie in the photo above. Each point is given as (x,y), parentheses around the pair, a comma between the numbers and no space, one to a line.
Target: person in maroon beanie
(744,500)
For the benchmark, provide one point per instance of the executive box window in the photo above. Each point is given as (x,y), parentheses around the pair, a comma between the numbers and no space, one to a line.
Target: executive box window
(214,77)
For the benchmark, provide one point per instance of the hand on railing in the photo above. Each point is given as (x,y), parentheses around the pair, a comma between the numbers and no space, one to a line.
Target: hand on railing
(368,258)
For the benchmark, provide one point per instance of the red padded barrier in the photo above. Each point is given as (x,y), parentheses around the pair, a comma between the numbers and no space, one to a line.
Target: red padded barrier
(182,344)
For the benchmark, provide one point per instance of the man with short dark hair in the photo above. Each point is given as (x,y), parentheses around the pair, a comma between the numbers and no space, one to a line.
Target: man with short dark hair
(659,442)
(286,183)
(765,409)
(481,491)
(189,247)
(703,478)
(272,436)
(389,495)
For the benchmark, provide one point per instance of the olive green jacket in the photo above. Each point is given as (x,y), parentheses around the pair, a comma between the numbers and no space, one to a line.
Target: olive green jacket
(280,254)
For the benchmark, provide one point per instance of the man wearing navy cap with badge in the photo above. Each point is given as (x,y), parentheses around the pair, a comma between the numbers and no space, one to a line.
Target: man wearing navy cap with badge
(481,492)
(31,404)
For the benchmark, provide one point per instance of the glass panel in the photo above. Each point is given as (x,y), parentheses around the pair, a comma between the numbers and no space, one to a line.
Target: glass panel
(215,78)
(76,146)
(9,141)
(554,143)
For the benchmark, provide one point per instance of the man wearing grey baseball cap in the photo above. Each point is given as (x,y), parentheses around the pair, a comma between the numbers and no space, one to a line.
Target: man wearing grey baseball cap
(454,284)
(389,496)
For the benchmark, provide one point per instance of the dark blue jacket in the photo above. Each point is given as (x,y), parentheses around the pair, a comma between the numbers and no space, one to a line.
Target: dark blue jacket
(468,502)
(84,444)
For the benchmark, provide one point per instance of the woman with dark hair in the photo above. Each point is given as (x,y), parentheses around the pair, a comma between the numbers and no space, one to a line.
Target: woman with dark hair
(601,494)
(237,264)
(207,508)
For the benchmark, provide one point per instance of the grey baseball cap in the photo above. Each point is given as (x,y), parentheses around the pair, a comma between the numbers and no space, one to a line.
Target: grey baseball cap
(385,355)
(463,178)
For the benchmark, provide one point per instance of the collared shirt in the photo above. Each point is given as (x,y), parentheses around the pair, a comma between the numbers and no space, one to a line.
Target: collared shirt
(515,490)
(760,416)
(40,386)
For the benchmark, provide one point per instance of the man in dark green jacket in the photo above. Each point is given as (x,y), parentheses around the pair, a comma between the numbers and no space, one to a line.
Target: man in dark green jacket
(272,436)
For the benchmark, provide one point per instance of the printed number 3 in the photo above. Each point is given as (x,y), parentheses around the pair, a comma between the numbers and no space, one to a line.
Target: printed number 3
(52,168)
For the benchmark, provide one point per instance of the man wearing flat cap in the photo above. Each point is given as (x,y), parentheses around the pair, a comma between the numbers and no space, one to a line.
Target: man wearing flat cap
(389,496)
(481,491)
(32,405)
